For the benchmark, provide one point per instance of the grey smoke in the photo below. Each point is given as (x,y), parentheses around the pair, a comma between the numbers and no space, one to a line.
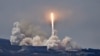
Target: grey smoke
(16,36)
(29,29)
(37,41)
(53,42)
(26,42)
(24,34)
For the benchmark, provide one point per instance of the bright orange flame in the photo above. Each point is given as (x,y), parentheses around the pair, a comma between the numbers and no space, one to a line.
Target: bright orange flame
(52,16)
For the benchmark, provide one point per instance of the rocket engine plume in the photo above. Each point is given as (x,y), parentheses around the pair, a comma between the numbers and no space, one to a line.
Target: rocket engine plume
(52,23)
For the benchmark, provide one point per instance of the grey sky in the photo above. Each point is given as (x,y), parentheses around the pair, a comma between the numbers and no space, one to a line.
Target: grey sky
(82,26)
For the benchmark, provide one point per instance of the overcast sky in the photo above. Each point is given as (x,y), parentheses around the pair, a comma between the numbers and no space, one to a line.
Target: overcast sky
(79,19)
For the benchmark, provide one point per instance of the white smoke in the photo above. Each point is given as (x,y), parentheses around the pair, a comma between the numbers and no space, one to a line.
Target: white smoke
(53,42)
(16,36)
(23,37)
(66,43)
(22,30)
(26,42)
(37,41)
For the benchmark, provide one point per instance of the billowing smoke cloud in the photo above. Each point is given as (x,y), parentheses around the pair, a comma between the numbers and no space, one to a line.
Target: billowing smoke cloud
(66,43)
(53,42)
(16,36)
(23,30)
(26,42)
(37,41)
(29,29)
(26,35)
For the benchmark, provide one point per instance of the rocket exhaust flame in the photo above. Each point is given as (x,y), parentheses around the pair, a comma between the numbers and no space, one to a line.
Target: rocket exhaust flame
(52,23)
